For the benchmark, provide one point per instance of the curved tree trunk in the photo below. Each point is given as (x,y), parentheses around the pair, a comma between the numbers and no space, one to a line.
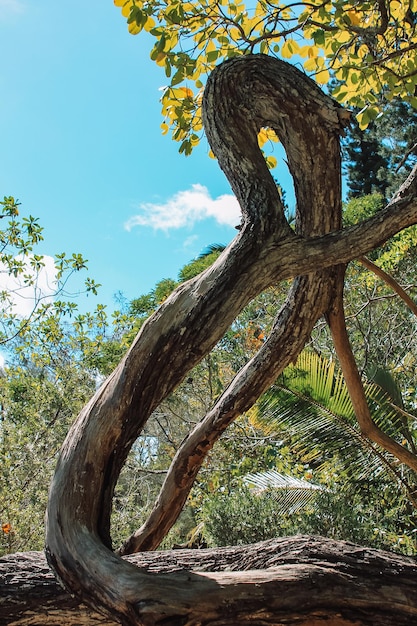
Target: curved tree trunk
(306,581)
(242,95)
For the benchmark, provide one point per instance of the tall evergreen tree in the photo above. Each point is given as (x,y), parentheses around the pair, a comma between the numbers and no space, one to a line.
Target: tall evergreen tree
(379,158)
(396,133)
(362,151)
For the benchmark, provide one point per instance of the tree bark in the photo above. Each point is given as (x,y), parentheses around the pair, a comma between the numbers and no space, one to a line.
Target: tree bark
(241,96)
(297,580)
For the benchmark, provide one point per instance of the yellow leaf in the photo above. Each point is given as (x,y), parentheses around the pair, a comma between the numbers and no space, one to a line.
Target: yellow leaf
(289,48)
(176,93)
(260,9)
(126,8)
(304,51)
(342,36)
(197,125)
(362,51)
(266,134)
(188,92)
(354,18)
(149,24)
(133,28)
(271,162)
(234,33)
(311,64)
(322,77)
(397,9)
(160,59)
(262,137)
(211,46)
(251,25)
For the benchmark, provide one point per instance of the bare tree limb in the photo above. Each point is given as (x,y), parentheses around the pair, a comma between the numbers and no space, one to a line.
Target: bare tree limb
(242,95)
(336,318)
(391,282)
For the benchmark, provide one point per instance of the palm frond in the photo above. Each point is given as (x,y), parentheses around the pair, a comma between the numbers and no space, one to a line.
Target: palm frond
(213,247)
(385,380)
(309,406)
(292,494)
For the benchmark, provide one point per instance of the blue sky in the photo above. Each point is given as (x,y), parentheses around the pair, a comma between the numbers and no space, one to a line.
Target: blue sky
(81,147)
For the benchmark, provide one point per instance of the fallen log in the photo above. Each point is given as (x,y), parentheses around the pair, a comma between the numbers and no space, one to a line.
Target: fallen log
(305,580)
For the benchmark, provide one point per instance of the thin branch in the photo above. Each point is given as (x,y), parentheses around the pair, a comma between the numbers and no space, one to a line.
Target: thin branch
(390,280)
(405,157)
(336,320)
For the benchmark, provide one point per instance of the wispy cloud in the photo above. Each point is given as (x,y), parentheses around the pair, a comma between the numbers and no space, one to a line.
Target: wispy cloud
(190,241)
(185,208)
(25,297)
(9,7)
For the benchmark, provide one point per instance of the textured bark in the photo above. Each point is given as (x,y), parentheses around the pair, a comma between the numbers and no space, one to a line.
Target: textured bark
(241,96)
(305,581)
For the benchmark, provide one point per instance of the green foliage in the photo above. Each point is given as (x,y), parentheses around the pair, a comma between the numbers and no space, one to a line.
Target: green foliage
(55,358)
(396,132)
(144,305)
(381,326)
(37,407)
(310,404)
(19,261)
(367,47)
(380,157)
(305,426)
(163,289)
(310,410)
(240,517)
(53,370)
(366,166)
(360,209)
(361,516)
(201,263)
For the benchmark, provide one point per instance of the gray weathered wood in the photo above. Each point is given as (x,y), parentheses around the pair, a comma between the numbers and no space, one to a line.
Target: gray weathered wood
(242,95)
(306,581)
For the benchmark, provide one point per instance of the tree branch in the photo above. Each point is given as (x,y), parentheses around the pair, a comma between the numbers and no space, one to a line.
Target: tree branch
(307,301)
(336,319)
(244,93)
(390,280)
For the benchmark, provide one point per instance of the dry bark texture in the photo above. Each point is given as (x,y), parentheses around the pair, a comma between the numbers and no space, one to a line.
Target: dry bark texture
(241,96)
(306,581)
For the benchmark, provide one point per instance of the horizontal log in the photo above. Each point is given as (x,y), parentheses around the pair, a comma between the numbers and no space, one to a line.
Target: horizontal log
(314,581)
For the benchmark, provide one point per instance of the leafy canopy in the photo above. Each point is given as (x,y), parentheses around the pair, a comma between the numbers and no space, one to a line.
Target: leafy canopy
(20,238)
(369,47)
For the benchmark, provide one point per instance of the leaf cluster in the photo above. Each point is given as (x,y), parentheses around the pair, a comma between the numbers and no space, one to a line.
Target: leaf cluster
(19,238)
(368,47)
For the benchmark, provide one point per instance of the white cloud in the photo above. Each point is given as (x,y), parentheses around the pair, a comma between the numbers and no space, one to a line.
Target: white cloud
(185,208)
(25,297)
(190,241)
(8,7)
